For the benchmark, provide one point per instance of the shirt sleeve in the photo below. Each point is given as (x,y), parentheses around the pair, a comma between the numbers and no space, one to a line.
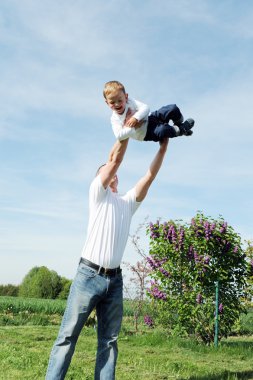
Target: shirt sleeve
(141,109)
(130,196)
(120,132)
(97,191)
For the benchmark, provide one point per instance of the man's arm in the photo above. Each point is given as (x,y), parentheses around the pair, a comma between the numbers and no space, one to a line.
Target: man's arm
(144,184)
(108,171)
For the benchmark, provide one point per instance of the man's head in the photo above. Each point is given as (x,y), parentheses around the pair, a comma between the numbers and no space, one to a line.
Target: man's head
(115,96)
(113,184)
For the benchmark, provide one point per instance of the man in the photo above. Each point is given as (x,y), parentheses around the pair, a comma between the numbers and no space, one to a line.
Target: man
(98,282)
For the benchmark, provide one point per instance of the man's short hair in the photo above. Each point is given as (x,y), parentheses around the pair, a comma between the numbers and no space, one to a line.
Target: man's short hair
(113,86)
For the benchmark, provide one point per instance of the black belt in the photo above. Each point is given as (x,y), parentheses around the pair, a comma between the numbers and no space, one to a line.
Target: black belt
(101,270)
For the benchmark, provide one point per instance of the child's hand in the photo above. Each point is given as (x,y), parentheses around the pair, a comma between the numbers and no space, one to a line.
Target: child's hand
(132,123)
(128,115)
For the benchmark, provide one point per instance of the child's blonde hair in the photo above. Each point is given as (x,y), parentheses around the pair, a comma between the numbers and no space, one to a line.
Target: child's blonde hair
(113,86)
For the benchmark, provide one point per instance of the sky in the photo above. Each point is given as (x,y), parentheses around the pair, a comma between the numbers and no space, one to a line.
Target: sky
(55,127)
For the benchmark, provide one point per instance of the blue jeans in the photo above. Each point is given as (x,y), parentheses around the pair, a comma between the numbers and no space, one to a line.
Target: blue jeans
(90,290)
(158,123)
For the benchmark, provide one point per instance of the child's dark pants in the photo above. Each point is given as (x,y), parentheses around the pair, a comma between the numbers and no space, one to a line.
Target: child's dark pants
(158,123)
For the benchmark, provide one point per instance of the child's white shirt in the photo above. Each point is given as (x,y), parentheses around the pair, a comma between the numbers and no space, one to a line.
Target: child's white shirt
(140,112)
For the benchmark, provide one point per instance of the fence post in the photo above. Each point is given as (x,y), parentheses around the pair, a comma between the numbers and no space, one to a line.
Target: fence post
(216,314)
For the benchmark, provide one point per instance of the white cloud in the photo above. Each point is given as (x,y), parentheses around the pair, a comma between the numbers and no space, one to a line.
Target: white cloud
(78,32)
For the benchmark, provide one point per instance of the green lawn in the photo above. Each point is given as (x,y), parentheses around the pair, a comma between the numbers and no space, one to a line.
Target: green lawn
(148,356)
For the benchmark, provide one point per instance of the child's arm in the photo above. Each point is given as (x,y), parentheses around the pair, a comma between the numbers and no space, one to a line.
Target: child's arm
(120,132)
(140,112)
(131,121)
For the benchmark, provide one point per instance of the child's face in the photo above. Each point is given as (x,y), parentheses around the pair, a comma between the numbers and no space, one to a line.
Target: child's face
(117,101)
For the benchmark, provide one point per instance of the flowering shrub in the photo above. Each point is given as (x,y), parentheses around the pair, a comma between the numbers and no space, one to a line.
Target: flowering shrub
(186,261)
(249,254)
(148,321)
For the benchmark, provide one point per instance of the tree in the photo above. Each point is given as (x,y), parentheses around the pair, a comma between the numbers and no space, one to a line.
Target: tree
(187,260)
(65,287)
(140,272)
(9,290)
(40,282)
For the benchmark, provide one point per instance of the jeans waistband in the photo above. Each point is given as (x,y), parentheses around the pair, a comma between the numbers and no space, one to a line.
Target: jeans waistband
(99,269)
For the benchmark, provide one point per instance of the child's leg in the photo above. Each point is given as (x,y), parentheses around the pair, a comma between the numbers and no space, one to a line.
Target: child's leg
(157,130)
(167,113)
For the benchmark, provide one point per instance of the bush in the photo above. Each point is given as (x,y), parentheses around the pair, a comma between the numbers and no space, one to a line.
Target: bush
(65,287)
(244,325)
(9,290)
(187,261)
(40,282)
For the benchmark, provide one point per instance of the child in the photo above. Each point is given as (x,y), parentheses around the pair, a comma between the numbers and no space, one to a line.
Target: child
(131,118)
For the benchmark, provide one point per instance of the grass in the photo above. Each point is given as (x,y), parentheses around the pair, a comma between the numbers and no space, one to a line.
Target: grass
(18,311)
(147,356)
(47,306)
(28,328)
(32,305)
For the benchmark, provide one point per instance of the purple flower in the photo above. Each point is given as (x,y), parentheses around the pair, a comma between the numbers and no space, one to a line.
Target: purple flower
(164,272)
(235,249)
(155,263)
(193,222)
(154,230)
(148,321)
(226,246)
(207,230)
(207,260)
(151,262)
(173,234)
(223,228)
(221,308)
(197,258)
(165,230)
(181,237)
(199,298)
(155,292)
(190,253)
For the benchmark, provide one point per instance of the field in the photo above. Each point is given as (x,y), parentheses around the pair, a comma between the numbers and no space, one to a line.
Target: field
(149,354)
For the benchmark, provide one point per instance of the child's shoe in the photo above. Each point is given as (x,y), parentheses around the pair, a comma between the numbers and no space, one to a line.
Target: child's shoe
(185,127)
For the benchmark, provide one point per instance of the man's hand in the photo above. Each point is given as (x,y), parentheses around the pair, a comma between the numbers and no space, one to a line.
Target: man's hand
(164,143)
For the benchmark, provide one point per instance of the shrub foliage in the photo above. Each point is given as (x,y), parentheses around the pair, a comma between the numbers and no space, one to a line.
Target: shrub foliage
(187,260)
(40,282)
(9,290)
